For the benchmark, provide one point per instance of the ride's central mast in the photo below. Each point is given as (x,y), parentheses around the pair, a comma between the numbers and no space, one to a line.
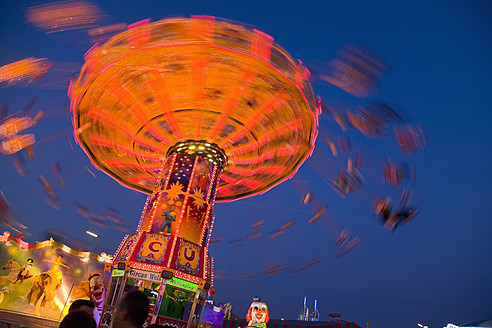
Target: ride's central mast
(182,204)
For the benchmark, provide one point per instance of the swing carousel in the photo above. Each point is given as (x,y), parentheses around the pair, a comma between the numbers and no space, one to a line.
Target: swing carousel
(192,112)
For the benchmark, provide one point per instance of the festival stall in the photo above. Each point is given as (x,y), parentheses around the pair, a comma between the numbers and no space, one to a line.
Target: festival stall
(41,280)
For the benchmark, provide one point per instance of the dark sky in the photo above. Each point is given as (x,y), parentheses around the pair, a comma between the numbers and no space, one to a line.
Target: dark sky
(434,270)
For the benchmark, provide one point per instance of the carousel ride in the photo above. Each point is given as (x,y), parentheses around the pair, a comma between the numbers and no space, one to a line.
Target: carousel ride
(192,112)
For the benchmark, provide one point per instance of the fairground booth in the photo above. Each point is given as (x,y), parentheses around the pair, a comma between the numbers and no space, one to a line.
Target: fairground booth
(38,282)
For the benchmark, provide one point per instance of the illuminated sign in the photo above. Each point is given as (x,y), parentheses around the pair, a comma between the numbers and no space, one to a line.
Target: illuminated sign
(183,284)
(127,248)
(153,248)
(145,275)
(189,257)
(117,273)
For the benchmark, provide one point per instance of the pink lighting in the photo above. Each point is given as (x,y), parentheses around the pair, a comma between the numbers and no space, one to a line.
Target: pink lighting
(139,33)
(261,45)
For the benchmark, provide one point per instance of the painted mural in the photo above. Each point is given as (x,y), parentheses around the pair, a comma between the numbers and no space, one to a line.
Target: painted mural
(45,278)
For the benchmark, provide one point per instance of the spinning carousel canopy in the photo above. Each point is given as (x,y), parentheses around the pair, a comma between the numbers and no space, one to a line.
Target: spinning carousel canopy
(158,84)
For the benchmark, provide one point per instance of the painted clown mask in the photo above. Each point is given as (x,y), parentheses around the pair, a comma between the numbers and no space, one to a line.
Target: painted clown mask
(97,289)
(258,312)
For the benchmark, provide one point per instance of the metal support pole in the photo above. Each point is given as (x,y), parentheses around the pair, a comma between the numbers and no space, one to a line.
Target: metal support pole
(97,244)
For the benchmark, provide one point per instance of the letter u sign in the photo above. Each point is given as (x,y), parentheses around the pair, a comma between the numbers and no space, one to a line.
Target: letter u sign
(189,254)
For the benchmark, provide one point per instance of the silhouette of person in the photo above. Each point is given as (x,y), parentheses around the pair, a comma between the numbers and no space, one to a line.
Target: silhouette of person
(82,305)
(78,319)
(132,310)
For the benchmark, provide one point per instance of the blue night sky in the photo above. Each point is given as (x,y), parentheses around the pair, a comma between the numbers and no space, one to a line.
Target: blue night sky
(435,270)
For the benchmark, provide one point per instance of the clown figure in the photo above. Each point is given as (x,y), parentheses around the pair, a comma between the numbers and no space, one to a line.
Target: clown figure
(257,314)
(97,294)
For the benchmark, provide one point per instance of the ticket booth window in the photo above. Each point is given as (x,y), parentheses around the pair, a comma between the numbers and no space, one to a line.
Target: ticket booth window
(176,303)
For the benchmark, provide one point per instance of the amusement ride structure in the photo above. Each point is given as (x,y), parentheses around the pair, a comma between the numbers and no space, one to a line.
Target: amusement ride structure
(189,111)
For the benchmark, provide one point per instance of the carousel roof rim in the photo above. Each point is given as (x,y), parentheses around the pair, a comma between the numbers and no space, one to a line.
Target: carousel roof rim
(112,63)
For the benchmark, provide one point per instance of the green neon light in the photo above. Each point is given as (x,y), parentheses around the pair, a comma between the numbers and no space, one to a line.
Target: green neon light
(183,284)
(117,273)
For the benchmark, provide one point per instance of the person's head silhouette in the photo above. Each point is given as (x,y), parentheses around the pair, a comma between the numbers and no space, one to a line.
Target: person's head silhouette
(132,310)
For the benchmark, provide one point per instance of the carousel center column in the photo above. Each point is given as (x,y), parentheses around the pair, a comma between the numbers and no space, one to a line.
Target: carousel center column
(167,257)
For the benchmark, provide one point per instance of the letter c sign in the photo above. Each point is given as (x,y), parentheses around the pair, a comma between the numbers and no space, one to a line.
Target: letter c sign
(155,246)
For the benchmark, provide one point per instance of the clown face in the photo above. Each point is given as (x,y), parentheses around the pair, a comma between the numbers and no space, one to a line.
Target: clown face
(258,312)
(97,289)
